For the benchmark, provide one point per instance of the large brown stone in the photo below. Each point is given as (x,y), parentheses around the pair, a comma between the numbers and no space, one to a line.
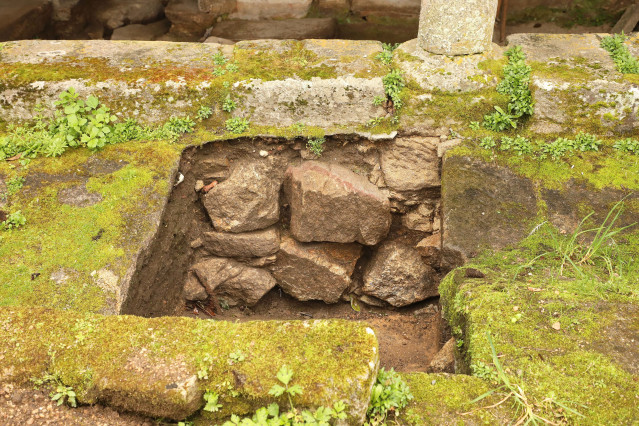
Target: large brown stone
(248,200)
(411,163)
(23,19)
(281,29)
(398,275)
(331,203)
(386,7)
(315,271)
(271,9)
(188,19)
(247,244)
(484,205)
(117,13)
(142,32)
(232,281)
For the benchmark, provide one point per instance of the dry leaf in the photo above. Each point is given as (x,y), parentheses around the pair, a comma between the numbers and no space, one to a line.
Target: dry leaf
(556,325)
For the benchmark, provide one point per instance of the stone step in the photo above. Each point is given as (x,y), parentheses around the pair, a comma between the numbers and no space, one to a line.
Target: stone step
(297,29)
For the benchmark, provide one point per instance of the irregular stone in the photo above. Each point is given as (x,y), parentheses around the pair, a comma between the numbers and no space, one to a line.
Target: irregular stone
(78,196)
(420,219)
(331,203)
(233,281)
(386,7)
(271,9)
(281,29)
(484,205)
(411,163)
(315,271)
(247,244)
(397,274)
(186,18)
(456,27)
(248,200)
(193,289)
(447,145)
(429,249)
(258,262)
(117,13)
(218,40)
(444,361)
(24,19)
(142,32)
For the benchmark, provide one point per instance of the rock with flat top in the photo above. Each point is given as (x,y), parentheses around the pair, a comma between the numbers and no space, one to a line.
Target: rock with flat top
(271,9)
(398,275)
(281,29)
(142,32)
(315,271)
(247,201)
(260,243)
(331,203)
(233,281)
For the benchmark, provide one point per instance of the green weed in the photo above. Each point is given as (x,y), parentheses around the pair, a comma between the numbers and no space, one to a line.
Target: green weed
(620,54)
(229,104)
(204,112)
(390,395)
(14,220)
(316,145)
(237,125)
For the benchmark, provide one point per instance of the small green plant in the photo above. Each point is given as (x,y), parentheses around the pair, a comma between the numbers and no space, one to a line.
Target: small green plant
(204,365)
(14,221)
(484,371)
(393,85)
(518,144)
(386,55)
(379,100)
(229,104)
(390,395)
(237,125)
(218,72)
(219,59)
(298,128)
(204,112)
(374,122)
(474,125)
(500,120)
(316,145)
(285,375)
(211,399)
(586,142)
(237,356)
(556,149)
(628,145)
(488,143)
(620,54)
(64,393)
(14,185)
(233,68)
(176,126)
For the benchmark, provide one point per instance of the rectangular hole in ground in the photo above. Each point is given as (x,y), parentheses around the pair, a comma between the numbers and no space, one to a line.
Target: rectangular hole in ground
(410,334)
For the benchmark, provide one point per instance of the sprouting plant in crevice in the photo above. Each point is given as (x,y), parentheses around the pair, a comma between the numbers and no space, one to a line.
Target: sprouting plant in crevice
(386,55)
(61,393)
(211,399)
(390,394)
(625,62)
(516,85)
(316,145)
(393,85)
(13,221)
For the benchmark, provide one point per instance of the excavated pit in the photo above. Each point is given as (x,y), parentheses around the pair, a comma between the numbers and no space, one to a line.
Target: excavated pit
(409,336)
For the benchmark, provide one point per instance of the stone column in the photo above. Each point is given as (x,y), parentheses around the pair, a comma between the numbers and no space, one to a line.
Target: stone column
(456,27)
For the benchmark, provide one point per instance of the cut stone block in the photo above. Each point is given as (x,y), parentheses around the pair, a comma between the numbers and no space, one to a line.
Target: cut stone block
(331,203)
(315,271)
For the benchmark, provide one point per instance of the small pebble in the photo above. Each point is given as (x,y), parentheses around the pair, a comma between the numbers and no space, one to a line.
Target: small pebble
(263,153)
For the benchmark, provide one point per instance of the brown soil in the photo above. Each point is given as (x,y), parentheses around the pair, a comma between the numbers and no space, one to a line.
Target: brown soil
(408,338)
(22,406)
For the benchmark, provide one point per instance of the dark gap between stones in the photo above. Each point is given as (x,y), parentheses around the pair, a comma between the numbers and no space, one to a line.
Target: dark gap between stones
(409,336)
